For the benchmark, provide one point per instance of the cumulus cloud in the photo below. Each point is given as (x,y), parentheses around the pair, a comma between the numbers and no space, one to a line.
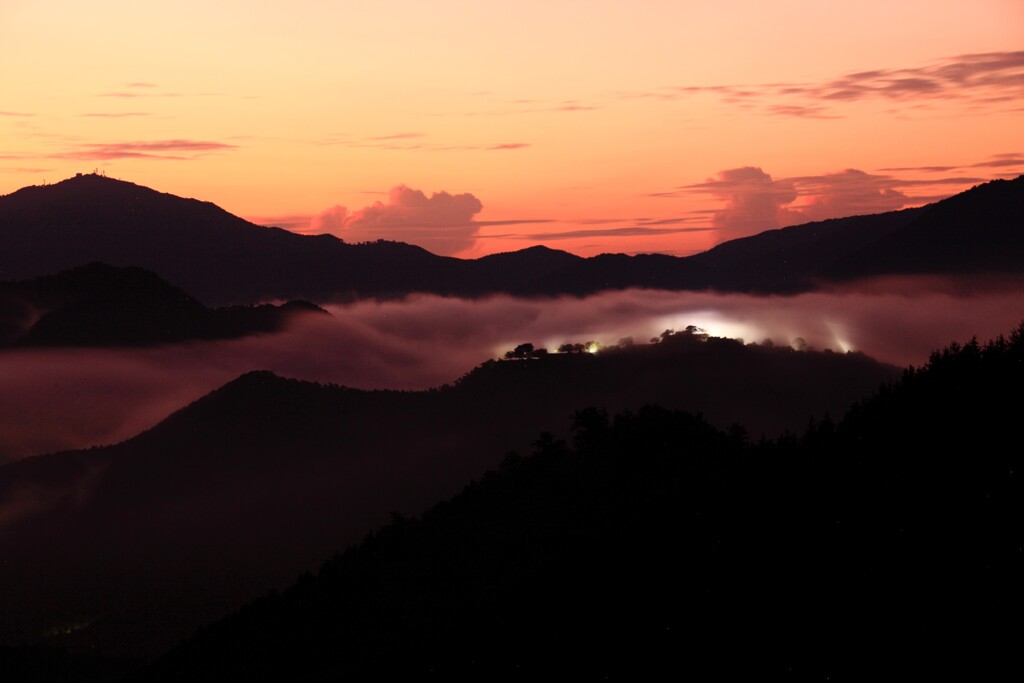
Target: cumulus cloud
(848,193)
(754,202)
(441,223)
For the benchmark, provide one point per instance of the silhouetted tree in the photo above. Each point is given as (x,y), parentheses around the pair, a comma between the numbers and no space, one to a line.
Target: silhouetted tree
(521,351)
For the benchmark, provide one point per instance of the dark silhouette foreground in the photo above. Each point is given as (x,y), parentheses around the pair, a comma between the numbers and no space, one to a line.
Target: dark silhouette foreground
(223,259)
(101,305)
(888,544)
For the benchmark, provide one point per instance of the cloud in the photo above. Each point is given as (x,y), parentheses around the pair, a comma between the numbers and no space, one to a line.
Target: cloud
(414,141)
(16,114)
(848,193)
(754,202)
(157,149)
(442,223)
(920,169)
(1002,161)
(982,78)
(516,221)
(627,231)
(573,106)
(397,136)
(807,111)
(54,399)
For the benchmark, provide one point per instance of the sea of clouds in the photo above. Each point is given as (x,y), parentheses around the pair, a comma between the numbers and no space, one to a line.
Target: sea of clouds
(56,399)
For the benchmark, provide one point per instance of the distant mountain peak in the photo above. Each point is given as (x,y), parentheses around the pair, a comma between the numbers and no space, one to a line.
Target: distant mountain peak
(221,258)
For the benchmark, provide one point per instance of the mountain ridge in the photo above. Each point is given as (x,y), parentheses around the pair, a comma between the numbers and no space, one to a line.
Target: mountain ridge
(268,473)
(221,258)
(101,305)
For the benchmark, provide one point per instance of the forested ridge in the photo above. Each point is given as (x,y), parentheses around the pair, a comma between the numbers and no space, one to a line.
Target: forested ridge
(884,542)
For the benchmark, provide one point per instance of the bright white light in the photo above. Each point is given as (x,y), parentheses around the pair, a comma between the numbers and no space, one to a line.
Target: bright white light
(714,323)
(839,336)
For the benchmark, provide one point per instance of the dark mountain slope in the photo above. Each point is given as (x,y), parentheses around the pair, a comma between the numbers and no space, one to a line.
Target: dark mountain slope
(205,250)
(101,305)
(980,230)
(131,546)
(223,259)
(975,231)
(193,244)
(800,257)
(519,272)
(890,541)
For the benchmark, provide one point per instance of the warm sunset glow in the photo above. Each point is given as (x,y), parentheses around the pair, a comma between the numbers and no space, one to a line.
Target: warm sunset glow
(477,127)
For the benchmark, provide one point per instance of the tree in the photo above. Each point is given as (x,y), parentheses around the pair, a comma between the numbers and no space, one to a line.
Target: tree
(524,351)
(521,351)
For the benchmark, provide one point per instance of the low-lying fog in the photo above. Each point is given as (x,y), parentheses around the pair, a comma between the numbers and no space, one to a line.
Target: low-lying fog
(70,398)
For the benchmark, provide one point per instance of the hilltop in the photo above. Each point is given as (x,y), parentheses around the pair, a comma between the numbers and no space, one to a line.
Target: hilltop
(101,305)
(130,546)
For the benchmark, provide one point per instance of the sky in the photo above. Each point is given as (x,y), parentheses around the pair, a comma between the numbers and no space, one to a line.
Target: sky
(475,127)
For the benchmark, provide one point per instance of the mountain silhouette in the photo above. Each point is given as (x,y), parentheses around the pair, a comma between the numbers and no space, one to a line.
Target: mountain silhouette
(973,232)
(123,549)
(223,259)
(652,541)
(101,305)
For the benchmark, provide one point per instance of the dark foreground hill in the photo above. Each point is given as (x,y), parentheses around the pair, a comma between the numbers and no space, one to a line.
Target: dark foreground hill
(221,258)
(888,544)
(124,549)
(101,305)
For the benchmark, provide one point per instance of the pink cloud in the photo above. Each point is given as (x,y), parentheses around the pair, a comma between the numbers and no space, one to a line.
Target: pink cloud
(157,149)
(442,223)
(848,193)
(754,202)
(981,78)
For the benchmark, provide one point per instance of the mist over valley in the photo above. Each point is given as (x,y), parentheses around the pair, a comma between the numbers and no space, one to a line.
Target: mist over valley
(62,398)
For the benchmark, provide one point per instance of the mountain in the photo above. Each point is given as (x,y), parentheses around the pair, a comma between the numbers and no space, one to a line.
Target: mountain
(980,230)
(123,549)
(203,249)
(221,258)
(101,305)
(887,541)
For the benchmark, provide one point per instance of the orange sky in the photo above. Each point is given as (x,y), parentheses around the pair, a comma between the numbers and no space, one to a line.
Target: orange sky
(476,127)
